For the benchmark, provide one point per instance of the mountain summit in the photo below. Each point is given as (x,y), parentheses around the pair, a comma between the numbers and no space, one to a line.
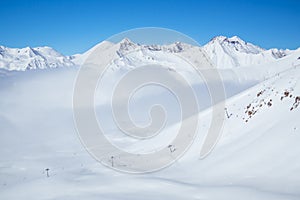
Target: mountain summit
(234,52)
(235,43)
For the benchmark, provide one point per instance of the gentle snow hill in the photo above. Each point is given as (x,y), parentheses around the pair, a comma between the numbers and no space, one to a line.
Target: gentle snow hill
(79,59)
(32,58)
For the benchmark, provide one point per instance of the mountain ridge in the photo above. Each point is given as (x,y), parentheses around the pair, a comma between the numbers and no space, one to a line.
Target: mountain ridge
(21,59)
(224,52)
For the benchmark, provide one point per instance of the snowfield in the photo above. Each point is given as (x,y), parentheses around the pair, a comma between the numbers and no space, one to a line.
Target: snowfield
(257,156)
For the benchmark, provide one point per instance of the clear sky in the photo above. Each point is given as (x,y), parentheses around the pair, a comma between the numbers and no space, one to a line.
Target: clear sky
(74,26)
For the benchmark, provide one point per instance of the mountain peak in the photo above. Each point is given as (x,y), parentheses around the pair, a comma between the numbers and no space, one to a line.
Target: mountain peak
(236,39)
(126,45)
(219,38)
(126,41)
(233,51)
(224,39)
(234,43)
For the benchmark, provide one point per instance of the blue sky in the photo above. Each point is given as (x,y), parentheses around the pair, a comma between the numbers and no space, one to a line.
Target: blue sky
(75,26)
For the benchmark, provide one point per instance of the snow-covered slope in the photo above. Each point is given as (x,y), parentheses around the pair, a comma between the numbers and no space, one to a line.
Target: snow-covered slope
(223,52)
(257,156)
(32,58)
(79,59)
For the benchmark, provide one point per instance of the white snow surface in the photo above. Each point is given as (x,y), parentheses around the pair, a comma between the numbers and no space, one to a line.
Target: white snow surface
(257,156)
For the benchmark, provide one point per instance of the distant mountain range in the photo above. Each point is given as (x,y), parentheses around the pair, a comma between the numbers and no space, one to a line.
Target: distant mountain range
(223,52)
(32,58)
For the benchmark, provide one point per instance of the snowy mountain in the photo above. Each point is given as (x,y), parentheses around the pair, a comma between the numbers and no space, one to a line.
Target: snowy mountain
(234,52)
(32,58)
(223,52)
